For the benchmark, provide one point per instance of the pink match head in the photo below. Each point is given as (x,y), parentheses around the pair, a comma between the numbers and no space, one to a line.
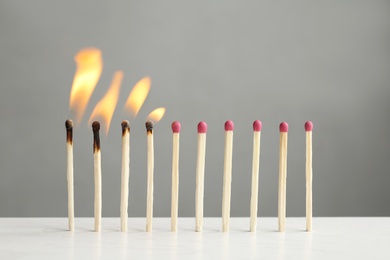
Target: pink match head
(283,127)
(202,127)
(257,125)
(176,127)
(229,125)
(308,126)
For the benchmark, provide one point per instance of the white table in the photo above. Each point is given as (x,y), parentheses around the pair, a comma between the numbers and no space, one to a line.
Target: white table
(332,238)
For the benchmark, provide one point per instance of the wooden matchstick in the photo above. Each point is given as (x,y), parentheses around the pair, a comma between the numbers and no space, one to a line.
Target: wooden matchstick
(125,173)
(200,163)
(69,151)
(149,204)
(309,175)
(282,176)
(175,174)
(97,175)
(255,173)
(227,175)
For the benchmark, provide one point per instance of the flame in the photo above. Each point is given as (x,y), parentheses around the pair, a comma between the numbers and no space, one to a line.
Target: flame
(156,114)
(106,106)
(138,95)
(89,68)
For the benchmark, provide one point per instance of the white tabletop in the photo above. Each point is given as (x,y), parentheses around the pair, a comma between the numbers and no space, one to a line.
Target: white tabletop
(332,238)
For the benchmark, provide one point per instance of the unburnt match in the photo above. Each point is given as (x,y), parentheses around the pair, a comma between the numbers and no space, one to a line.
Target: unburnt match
(97,175)
(175,174)
(69,174)
(200,163)
(255,173)
(282,176)
(150,169)
(309,175)
(227,175)
(125,173)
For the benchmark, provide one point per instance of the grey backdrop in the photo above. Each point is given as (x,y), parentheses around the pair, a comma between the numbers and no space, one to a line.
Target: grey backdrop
(328,62)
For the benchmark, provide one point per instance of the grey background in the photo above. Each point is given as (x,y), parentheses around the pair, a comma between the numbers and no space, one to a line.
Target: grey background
(328,62)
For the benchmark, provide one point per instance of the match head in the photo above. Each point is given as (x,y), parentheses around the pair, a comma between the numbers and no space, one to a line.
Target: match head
(202,127)
(229,125)
(149,126)
(257,126)
(283,127)
(309,126)
(69,124)
(176,127)
(125,126)
(95,126)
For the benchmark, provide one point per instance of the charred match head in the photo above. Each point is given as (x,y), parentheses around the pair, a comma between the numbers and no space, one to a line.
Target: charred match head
(176,127)
(257,126)
(69,131)
(309,126)
(125,127)
(149,127)
(283,127)
(96,138)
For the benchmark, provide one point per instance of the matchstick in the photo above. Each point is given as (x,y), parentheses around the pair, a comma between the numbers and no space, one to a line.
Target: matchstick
(200,162)
(125,173)
(257,125)
(149,204)
(282,176)
(227,175)
(309,175)
(97,175)
(175,174)
(69,151)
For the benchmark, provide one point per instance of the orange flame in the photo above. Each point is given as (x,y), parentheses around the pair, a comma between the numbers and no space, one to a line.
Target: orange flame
(106,106)
(138,95)
(89,68)
(156,114)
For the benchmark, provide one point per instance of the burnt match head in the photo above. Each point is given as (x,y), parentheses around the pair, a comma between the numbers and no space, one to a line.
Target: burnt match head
(257,126)
(176,127)
(69,131)
(96,138)
(125,127)
(149,127)
(229,125)
(283,127)
(309,126)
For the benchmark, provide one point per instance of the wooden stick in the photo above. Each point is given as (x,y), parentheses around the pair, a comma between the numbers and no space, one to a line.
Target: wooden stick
(309,175)
(200,163)
(175,175)
(97,175)
(227,175)
(125,174)
(282,176)
(255,173)
(69,152)
(149,204)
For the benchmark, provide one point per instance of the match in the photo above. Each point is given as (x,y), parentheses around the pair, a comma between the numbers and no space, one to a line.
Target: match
(227,175)
(282,176)
(150,169)
(257,126)
(175,174)
(200,163)
(125,174)
(69,175)
(309,175)
(97,175)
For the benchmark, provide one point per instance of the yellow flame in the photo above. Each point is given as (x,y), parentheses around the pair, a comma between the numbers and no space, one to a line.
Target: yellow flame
(89,68)
(138,95)
(156,114)
(106,106)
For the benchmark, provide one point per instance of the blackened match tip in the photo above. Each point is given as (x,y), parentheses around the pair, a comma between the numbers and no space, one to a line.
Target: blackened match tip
(95,126)
(149,126)
(69,124)
(125,126)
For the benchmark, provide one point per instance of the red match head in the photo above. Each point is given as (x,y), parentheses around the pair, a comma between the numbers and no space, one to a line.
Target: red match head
(229,125)
(176,127)
(257,126)
(283,127)
(202,127)
(308,126)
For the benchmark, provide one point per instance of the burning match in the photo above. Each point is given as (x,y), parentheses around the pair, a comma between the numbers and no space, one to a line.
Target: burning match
(282,176)
(149,205)
(309,175)
(175,174)
(125,173)
(227,175)
(97,175)
(200,162)
(69,151)
(255,173)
